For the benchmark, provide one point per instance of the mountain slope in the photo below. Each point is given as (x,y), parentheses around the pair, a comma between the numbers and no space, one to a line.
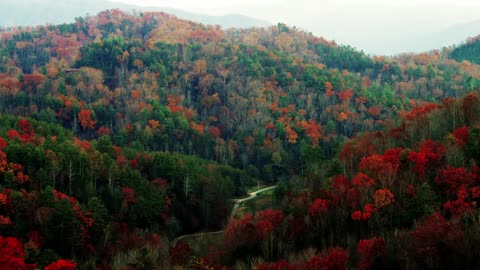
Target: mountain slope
(124,130)
(470,51)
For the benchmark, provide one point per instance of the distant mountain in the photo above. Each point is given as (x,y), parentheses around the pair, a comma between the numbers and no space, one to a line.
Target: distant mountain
(226,21)
(36,12)
(454,34)
(429,40)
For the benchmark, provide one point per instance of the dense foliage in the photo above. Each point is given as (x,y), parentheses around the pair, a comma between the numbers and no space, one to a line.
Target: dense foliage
(121,131)
(469,51)
(404,201)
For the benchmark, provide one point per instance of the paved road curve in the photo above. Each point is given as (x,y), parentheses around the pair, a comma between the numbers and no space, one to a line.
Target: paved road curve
(238,202)
(251,195)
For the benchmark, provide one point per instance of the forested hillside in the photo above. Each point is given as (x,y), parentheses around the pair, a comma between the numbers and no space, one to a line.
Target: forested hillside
(469,51)
(120,132)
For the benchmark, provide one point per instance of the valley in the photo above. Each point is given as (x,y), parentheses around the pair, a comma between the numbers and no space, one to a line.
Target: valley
(139,140)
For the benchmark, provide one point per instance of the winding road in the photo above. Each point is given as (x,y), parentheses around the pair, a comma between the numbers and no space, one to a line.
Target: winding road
(238,202)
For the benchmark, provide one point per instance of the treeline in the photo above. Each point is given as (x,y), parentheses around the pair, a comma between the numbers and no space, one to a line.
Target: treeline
(469,51)
(253,98)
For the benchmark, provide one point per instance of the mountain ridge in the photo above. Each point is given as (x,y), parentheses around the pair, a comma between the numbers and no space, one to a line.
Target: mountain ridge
(40,12)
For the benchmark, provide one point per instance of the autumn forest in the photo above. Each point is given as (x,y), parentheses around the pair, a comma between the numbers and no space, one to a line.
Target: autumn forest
(128,139)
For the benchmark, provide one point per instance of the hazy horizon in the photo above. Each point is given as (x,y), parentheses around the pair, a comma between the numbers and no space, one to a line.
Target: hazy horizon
(378,27)
(401,26)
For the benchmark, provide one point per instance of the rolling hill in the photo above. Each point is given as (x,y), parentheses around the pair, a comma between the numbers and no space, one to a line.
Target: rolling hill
(120,132)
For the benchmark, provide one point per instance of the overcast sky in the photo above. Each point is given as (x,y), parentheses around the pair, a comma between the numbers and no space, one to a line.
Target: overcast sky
(369,25)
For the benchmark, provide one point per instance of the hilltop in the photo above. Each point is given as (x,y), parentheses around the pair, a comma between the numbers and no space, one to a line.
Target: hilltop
(39,12)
